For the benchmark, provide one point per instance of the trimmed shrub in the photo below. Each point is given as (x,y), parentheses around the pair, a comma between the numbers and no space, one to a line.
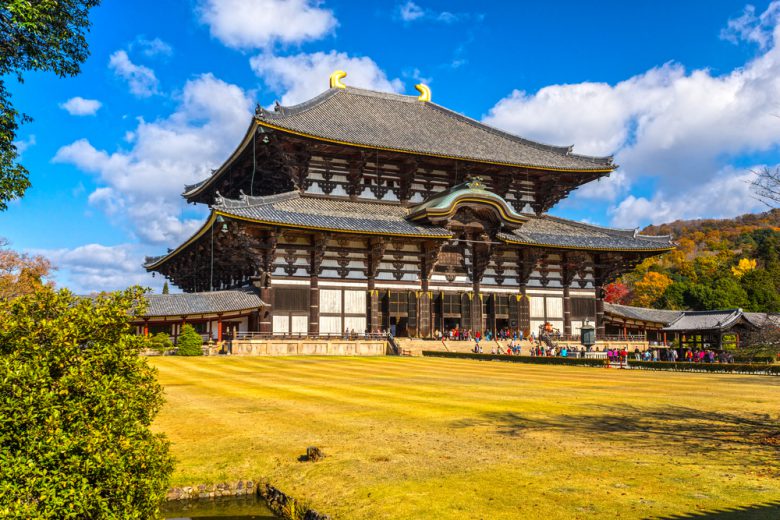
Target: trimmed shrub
(189,342)
(537,360)
(161,342)
(738,368)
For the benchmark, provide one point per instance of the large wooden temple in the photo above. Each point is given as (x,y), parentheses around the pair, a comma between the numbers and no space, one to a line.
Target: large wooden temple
(371,211)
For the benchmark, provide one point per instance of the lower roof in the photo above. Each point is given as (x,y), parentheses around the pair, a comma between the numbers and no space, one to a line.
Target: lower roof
(214,302)
(659,316)
(682,321)
(294,210)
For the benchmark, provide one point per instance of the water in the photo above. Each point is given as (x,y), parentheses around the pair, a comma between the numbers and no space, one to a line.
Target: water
(225,508)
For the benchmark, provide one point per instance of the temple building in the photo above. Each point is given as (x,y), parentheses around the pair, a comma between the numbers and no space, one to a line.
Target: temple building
(368,211)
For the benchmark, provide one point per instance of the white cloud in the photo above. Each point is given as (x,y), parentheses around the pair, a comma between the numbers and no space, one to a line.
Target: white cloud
(140,188)
(23,145)
(302,76)
(726,195)
(410,11)
(152,48)
(141,80)
(751,28)
(681,129)
(254,24)
(78,106)
(94,267)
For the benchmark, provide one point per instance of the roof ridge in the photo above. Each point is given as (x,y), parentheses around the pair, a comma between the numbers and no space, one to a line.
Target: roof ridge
(281,111)
(560,150)
(248,201)
(631,233)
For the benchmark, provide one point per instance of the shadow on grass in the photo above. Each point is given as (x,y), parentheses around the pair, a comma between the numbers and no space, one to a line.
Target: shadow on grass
(687,428)
(767,510)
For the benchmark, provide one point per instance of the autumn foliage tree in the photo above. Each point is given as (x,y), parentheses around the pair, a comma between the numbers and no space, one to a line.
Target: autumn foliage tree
(650,288)
(617,292)
(21,273)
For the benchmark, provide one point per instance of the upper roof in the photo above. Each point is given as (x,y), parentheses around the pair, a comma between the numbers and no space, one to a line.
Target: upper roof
(188,304)
(401,123)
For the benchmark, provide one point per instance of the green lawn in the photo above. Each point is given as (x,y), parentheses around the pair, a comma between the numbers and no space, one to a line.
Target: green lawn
(440,438)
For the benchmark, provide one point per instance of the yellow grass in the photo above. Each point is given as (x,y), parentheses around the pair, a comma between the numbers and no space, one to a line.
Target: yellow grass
(439,438)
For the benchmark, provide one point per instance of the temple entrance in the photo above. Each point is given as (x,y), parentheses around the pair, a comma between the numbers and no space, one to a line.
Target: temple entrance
(451,323)
(502,323)
(399,326)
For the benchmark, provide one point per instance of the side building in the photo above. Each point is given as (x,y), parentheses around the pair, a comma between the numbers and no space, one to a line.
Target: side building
(367,211)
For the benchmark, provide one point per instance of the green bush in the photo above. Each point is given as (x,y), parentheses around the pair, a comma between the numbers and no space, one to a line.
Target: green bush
(161,342)
(754,359)
(741,368)
(76,404)
(189,342)
(537,360)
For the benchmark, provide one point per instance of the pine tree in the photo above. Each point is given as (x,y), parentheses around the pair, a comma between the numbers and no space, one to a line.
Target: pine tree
(165,288)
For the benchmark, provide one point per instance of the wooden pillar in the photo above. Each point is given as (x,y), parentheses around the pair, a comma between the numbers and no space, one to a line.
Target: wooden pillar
(566,311)
(219,329)
(373,307)
(376,250)
(318,242)
(146,329)
(314,305)
(600,325)
(476,310)
(266,314)
(424,311)
(665,342)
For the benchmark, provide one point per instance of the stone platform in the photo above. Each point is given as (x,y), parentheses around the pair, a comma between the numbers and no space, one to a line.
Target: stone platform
(308,347)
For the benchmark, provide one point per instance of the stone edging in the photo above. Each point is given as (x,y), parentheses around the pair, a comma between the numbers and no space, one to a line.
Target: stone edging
(277,501)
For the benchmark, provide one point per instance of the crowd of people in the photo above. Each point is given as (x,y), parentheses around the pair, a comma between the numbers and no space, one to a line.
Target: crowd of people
(459,334)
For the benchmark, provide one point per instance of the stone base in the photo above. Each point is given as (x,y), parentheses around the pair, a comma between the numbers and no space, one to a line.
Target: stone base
(308,347)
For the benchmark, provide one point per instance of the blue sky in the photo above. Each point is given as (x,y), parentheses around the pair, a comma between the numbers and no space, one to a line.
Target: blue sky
(685,94)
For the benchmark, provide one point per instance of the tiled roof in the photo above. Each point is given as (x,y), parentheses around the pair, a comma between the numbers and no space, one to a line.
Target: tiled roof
(704,320)
(641,313)
(402,123)
(557,232)
(184,304)
(296,210)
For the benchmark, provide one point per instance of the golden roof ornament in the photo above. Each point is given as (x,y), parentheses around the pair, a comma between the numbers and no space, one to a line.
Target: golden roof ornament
(425,92)
(335,79)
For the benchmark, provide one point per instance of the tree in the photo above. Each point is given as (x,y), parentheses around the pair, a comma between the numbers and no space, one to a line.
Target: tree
(766,186)
(616,292)
(650,288)
(744,266)
(165,289)
(21,273)
(761,291)
(189,342)
(76,405)
(39,35)
(763,342)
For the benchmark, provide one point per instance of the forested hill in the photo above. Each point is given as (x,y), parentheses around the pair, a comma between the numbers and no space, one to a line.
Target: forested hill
(718,264)
(727,227)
